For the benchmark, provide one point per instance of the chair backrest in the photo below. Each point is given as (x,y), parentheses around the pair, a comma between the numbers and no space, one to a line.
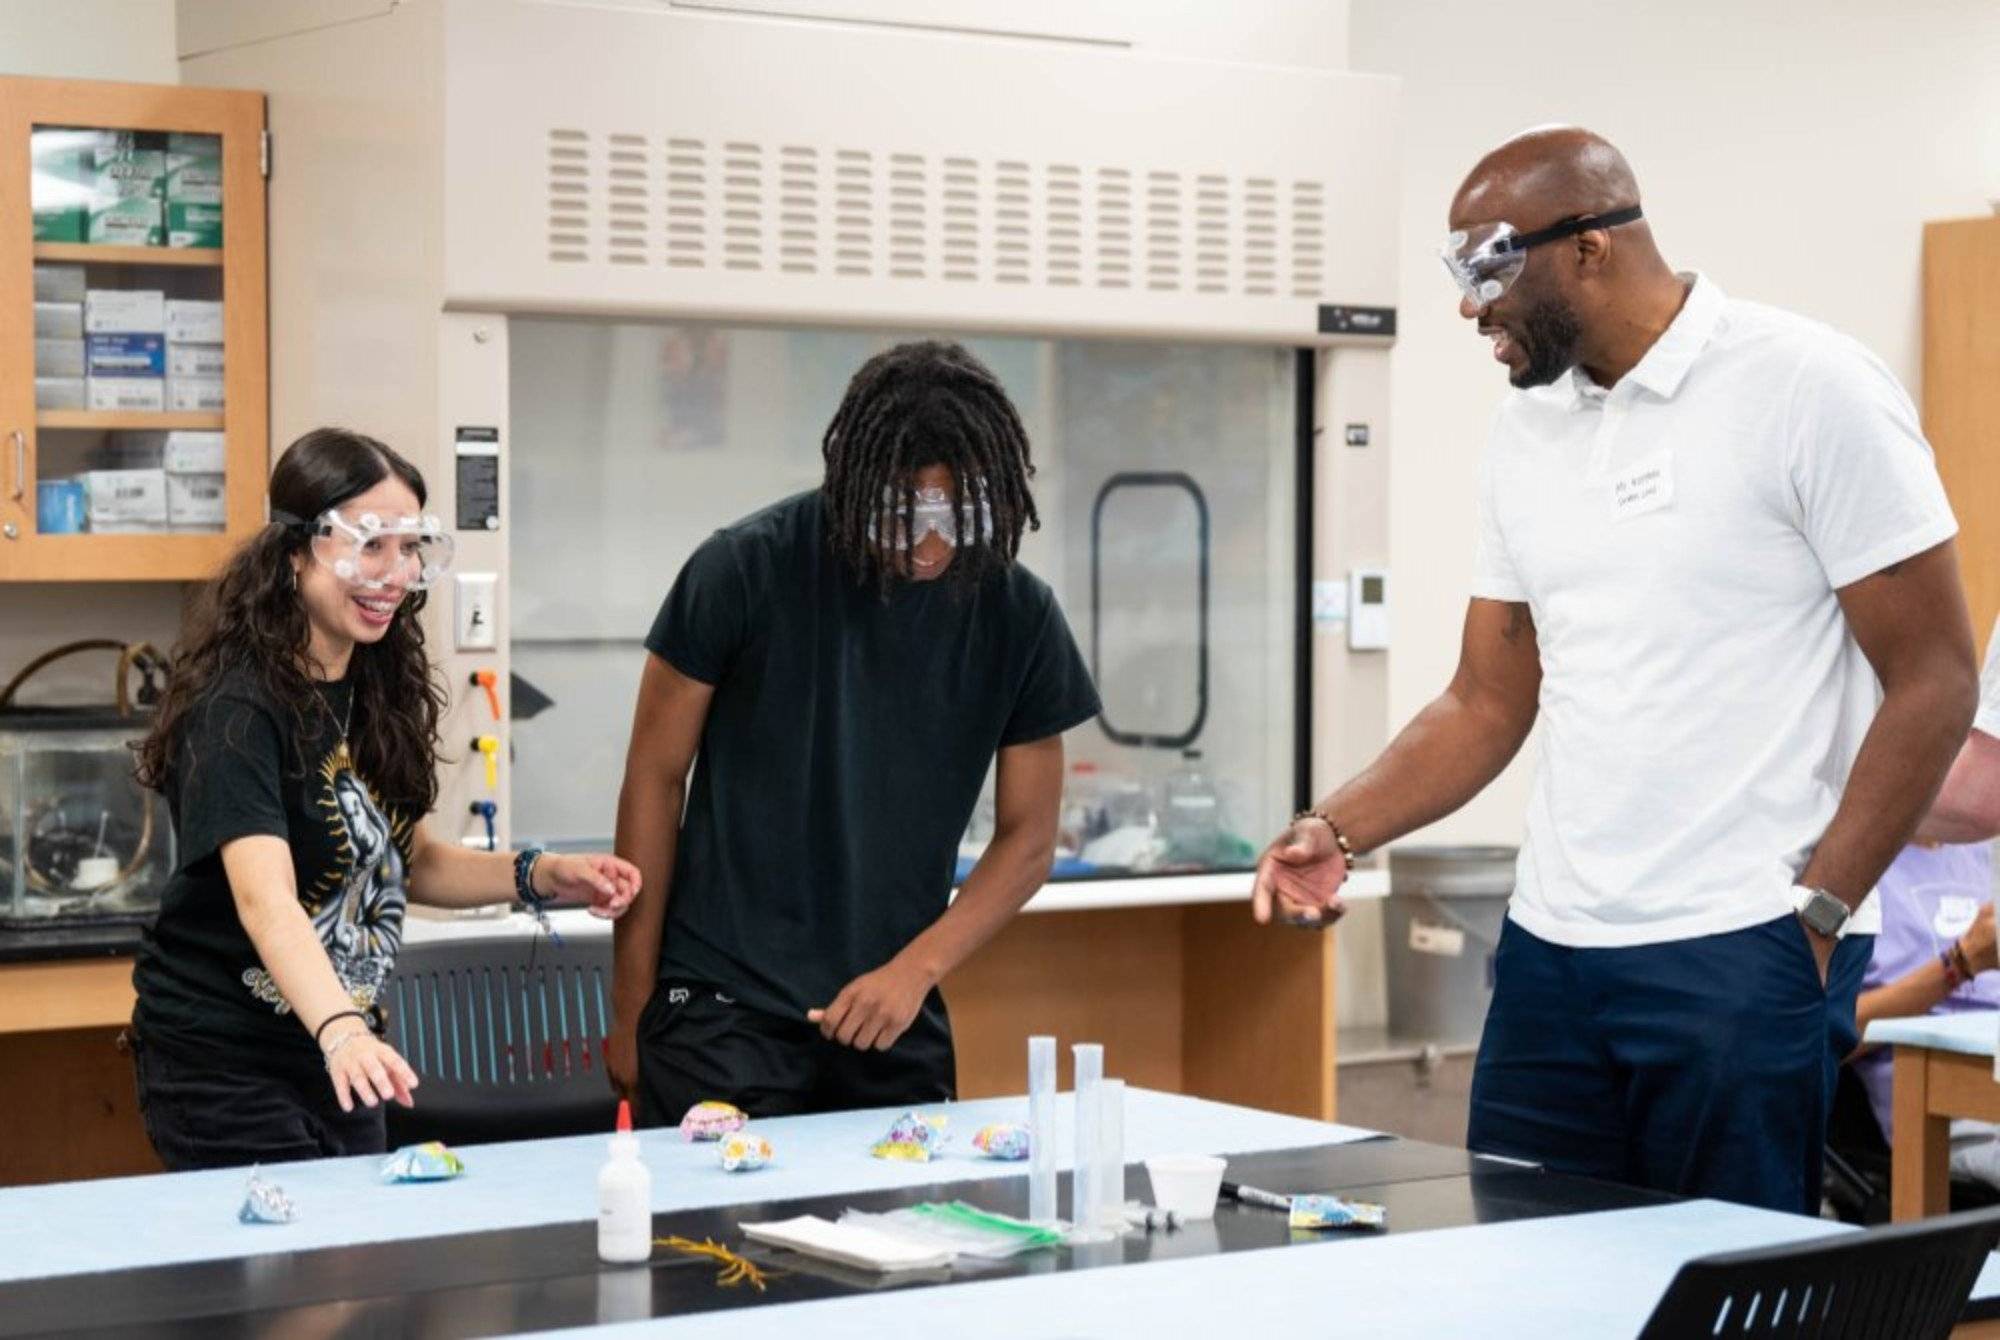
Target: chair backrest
(506,1048)
(1910,1281)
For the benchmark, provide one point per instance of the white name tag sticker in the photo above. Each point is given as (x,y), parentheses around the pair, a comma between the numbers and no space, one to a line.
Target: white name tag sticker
(1443,941)
(1955,914)
(1646,486)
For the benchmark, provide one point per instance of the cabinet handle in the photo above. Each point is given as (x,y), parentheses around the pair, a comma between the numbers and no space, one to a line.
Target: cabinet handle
(20,464)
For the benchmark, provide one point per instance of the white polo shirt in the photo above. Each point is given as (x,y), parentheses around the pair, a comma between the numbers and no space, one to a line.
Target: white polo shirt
(1679,540)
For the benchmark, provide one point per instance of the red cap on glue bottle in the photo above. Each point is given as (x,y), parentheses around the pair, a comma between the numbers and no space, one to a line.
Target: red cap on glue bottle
(624,1140)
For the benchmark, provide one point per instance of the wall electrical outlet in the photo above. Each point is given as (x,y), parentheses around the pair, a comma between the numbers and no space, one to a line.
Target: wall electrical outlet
(1368,609)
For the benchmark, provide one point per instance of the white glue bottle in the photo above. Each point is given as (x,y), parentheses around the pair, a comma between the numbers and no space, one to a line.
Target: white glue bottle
(624,1198)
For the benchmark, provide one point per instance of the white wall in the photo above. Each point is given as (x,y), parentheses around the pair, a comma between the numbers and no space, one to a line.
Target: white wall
(127,40)
(130,41)
(1790,150)
(1261,32)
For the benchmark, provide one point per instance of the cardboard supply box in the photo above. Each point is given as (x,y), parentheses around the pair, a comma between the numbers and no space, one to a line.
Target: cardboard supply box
(59,283)
(189,321)
(60,183)
(195,502)
(126,497)
(129,223)
(190,224)
(133,355)
(190,452)
(194,395)
(59,392)
(58,321)
(121,311)
(59,358)
(194,191)
(129,164)
(194,360)
(129,186)
(194,168)
(129,450)
(126,393)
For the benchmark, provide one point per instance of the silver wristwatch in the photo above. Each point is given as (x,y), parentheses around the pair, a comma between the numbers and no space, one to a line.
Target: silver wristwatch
(1822,913)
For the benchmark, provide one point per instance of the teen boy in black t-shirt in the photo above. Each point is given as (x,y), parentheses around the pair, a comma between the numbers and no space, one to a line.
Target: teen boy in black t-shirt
(847,663)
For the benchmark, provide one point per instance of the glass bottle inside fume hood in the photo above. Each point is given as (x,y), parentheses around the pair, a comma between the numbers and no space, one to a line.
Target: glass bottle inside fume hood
(1083,820)
(1191,817)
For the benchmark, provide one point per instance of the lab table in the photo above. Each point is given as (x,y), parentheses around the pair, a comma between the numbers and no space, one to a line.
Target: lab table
(1474,1245)
(1943,1068)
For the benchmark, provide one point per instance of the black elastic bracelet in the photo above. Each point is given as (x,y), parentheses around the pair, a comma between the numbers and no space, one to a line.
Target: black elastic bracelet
(339,1014)
(524,877)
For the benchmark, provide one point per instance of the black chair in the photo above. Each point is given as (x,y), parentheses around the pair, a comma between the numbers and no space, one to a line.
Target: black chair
(509,1039)
(1910,1281)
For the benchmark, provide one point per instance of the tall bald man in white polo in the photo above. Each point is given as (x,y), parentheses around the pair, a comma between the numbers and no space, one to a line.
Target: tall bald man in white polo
(1716,563)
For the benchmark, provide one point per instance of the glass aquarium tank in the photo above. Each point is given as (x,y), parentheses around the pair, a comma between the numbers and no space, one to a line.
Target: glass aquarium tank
(81,842)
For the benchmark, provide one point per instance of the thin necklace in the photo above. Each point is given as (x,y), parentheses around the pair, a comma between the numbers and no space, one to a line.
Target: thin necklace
(347,719)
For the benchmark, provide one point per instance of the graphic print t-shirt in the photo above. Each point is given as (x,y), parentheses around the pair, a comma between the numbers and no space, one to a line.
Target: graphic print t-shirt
(246,769)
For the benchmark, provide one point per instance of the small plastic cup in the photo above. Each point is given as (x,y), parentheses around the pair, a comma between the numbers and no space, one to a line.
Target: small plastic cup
(1187,1184)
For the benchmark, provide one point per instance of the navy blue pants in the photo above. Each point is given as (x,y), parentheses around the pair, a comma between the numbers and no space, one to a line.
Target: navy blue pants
(1700,1067)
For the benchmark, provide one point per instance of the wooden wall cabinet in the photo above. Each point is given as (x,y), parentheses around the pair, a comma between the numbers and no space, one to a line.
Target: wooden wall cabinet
(75,159)
(1962,395)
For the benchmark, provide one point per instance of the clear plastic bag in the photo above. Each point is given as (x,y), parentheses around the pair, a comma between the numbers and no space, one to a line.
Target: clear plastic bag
(966,1230)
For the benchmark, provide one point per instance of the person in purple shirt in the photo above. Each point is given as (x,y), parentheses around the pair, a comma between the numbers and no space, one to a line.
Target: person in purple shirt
(1935,953)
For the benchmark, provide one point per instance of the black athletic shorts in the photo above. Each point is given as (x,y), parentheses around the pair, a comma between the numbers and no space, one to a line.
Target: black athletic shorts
(697,1043)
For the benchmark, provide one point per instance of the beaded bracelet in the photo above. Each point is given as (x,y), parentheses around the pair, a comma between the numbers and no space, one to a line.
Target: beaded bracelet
(1339,838)
(524,876)
(524,889)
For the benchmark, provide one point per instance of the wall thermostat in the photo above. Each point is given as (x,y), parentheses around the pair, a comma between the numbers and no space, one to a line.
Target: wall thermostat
(1368,609)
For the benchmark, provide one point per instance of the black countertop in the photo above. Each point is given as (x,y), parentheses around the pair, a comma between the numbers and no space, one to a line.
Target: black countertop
(549,1276)
(45,943)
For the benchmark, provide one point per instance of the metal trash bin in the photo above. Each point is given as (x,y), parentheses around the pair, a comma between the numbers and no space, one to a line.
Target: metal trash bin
(1441,927)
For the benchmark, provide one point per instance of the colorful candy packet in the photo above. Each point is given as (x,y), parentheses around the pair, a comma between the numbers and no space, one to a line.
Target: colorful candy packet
(913,1138)
(743,1151)
(1002,1140)
(1333,1212)
(427,1162)
(265,1203)
(711,1120)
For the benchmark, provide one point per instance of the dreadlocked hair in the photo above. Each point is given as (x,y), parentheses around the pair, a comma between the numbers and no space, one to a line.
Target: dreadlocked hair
(251,620)
(925,403)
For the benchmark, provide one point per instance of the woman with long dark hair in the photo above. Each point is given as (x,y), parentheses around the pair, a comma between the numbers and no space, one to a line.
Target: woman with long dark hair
(297,748)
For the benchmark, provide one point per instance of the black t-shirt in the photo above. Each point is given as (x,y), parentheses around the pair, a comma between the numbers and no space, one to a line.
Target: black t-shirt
(243,770)
(846,744)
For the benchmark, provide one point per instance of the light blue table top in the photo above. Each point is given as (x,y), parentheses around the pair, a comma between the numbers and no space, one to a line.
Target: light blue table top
(1974,1033)
(1585,1275)
(116,1223)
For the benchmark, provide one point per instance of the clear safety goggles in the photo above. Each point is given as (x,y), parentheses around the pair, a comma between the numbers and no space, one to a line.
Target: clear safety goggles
(932,512)
(373,552)
(1485,261)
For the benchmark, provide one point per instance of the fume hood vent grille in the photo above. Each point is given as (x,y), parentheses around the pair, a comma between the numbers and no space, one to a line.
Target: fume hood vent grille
(681,202)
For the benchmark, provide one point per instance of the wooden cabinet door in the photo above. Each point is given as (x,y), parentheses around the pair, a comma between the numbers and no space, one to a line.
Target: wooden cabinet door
(1962,395)
(17,327)
(48,443)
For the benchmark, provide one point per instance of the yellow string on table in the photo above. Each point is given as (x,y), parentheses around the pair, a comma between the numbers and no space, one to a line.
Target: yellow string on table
(735,1269)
